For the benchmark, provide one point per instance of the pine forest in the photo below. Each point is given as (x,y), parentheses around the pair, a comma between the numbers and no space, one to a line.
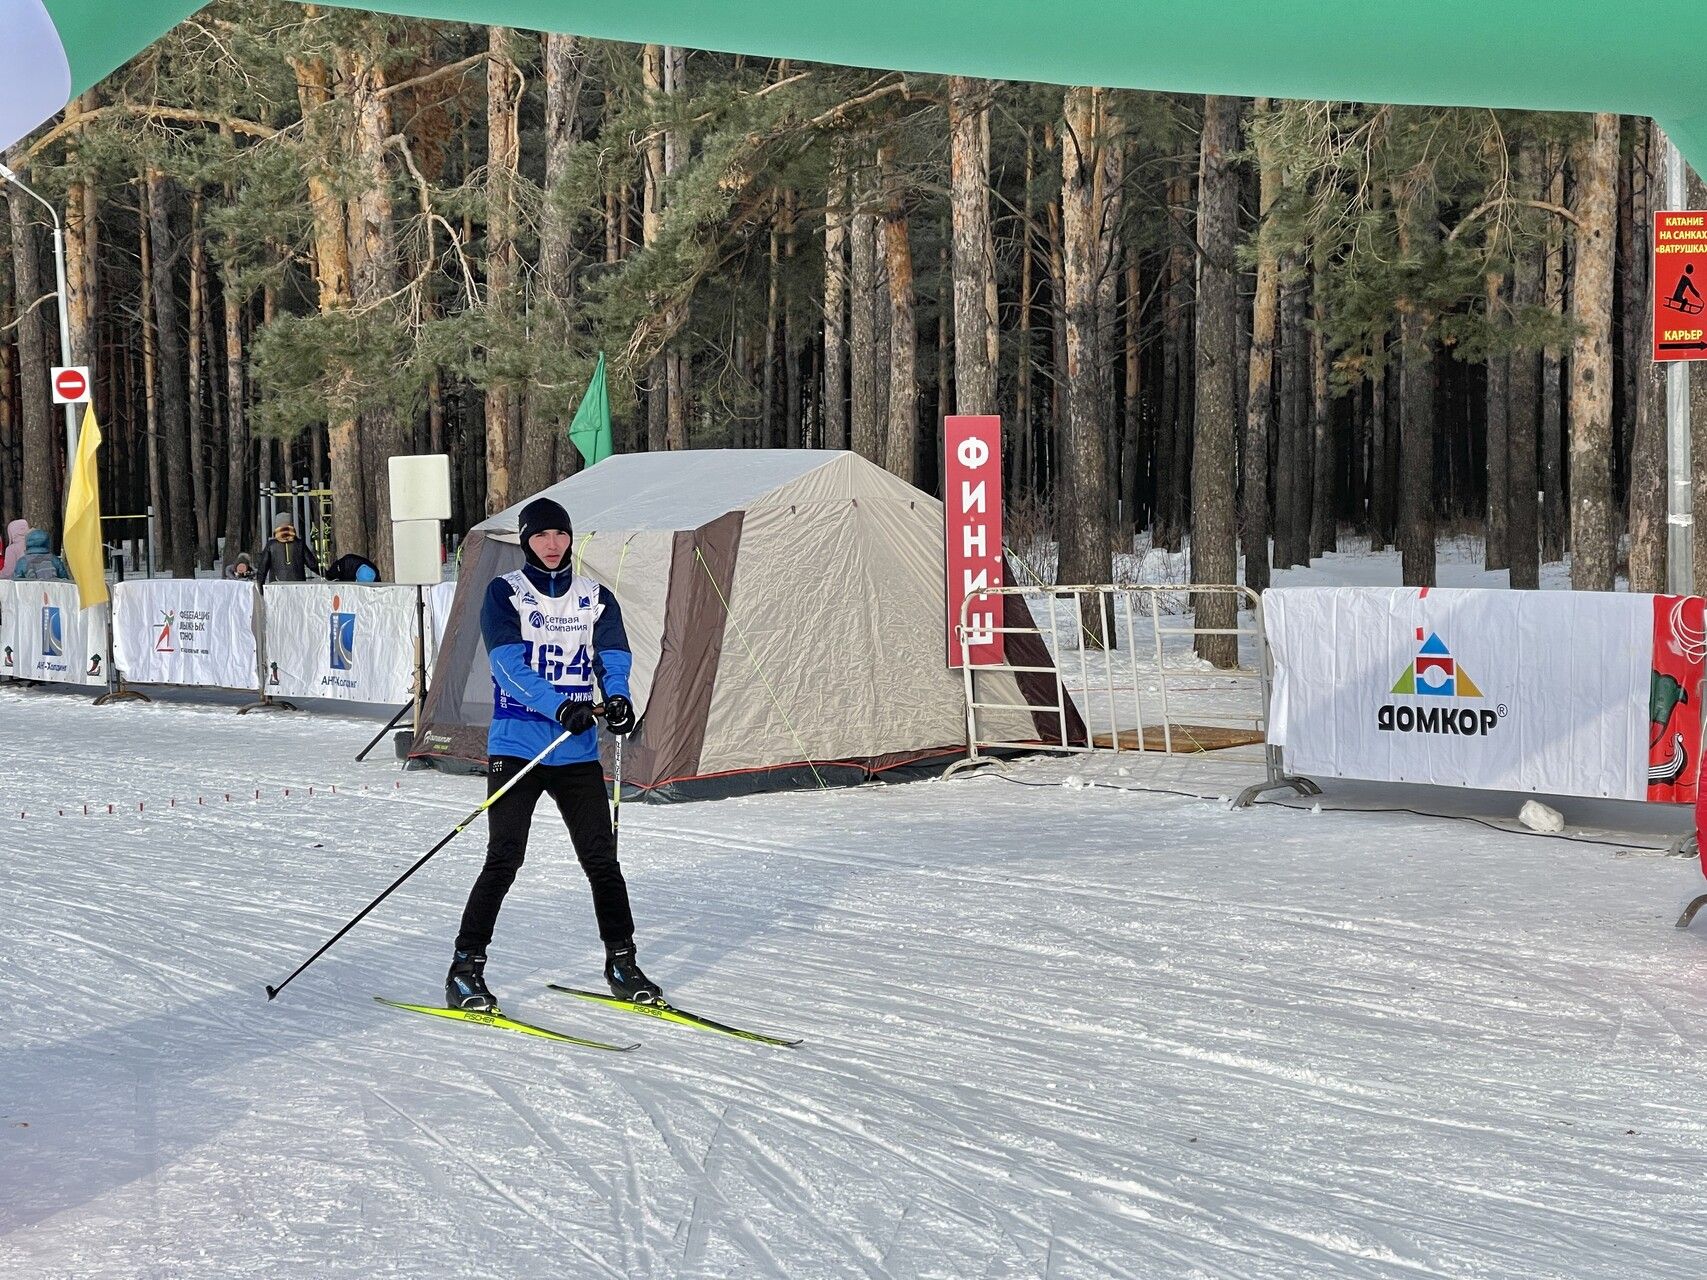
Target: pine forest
(302,240)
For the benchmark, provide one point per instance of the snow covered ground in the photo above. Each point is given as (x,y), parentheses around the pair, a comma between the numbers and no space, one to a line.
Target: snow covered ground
(1053,1029)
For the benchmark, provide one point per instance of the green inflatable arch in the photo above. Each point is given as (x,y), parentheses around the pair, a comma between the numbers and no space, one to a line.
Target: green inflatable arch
(1635,57)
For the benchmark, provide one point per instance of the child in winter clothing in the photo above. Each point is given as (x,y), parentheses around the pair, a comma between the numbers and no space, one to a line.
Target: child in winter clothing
(38,563)
(15,535)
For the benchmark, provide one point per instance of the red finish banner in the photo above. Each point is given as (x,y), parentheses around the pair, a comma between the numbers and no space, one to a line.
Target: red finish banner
(972,515)
(1680,285)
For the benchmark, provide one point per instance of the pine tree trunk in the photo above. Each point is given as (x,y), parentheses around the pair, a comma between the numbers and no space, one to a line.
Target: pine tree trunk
(867,415)
(373,266)
(217,433)
(39,487)
(1106,204)
(175,457)
(678,366)
(267,446)
(1289,498)
(150,394)
(332,277)
(651,224)
(1381,501)
(1324,498)
(975,353)
(835,410)
(1021,474)
(1053,471)
(1418,228)
(1083,522)
(545,455)
(768,434)
(1496,553)
(1132,403)
(1648,527)
(901,436)
(1303,451)
(1259,406)
(238,500)
(11,481)
(792,421)
(1593,547)
(1523,533)
(1554,517)
(503,159)
(1215,467)
(1183,200)
(945,396)
(200,454)
(1629,271)
(615,220)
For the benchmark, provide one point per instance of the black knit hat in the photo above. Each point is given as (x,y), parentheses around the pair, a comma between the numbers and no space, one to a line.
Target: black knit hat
(538,516)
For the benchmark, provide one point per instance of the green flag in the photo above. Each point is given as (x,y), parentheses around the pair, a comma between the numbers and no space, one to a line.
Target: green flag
(590,432)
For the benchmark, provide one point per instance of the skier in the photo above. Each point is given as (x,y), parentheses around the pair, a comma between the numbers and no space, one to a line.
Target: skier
(548,631)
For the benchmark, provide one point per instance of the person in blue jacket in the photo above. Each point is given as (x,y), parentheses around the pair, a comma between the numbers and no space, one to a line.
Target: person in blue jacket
(38,561)
(549,631)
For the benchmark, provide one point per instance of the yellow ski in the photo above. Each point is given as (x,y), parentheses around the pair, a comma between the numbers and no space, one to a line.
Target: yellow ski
(666,1012)
(499,1019)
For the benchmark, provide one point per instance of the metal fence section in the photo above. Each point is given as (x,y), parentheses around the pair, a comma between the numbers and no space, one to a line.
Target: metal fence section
(1130,691)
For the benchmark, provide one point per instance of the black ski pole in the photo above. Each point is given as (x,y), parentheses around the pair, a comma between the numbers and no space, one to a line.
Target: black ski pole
(616,794)
(362,754)
(423,859)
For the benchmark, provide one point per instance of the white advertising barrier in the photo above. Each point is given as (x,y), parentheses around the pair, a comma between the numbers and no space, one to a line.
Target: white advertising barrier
(186,631)
(340,640)
(440,597)
(45,634)
(1572,693)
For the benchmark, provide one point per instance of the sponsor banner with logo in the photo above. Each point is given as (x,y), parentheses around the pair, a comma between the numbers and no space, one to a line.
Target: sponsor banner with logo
(1568,693)
(186,631)
(45,634)
(340,640)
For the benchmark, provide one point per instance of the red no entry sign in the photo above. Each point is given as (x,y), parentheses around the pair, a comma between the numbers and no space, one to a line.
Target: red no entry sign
(1680,283)
(70,384)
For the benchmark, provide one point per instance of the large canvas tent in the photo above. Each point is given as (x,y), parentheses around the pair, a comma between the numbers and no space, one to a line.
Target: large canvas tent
(786,612)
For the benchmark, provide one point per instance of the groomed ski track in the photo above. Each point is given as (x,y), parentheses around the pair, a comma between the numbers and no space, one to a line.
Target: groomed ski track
(1051,1032)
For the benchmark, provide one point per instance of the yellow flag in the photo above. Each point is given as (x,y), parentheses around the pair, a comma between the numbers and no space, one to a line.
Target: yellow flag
(83,517)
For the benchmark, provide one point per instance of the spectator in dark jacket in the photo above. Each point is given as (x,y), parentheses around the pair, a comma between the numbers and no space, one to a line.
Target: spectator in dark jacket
(286,558)
(38,563)
(352,568)
(242,569)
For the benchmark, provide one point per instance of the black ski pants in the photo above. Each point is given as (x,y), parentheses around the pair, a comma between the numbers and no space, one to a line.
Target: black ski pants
(579,790)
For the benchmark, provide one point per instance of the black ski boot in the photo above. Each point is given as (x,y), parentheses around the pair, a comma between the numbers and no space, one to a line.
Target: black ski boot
(626,980)
(465,984)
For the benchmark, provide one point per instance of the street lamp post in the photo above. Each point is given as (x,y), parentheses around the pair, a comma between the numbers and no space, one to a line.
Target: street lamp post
(64,308)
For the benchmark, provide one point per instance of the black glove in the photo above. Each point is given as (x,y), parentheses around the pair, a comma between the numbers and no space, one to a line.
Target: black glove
(576,717)
(619,715)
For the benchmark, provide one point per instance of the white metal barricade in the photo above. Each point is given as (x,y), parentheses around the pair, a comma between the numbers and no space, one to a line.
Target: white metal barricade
(1098,696)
